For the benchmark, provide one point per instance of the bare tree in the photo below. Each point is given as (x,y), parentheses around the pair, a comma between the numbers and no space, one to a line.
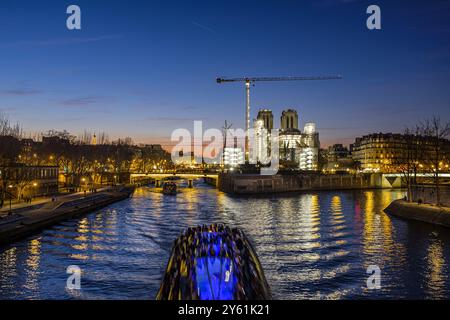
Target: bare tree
(65,135)
(438,131)
(8,129)
(102,138)
(9,150)
(407,163)
(225,129)
(85,138)
(23,179)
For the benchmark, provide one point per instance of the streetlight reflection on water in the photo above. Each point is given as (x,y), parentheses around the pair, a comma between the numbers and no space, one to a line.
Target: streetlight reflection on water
(311,245)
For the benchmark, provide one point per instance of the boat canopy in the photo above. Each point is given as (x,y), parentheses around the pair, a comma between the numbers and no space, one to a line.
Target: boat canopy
(213,263)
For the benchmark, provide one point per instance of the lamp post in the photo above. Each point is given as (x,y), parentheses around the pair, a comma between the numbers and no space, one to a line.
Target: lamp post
(10,198)
(34,189)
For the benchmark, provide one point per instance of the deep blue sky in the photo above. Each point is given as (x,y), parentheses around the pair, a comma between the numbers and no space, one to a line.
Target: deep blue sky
(143,68)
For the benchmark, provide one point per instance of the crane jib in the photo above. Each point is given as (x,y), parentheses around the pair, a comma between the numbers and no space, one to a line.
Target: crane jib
(254,79)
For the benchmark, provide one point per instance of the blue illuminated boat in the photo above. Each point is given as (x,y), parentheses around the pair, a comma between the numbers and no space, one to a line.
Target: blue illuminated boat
(213,263)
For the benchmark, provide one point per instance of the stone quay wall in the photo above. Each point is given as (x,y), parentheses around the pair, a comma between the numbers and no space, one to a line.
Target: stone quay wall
(255,183)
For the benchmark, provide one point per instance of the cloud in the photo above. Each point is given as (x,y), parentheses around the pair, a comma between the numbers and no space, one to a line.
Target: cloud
(339,128)
(19,92)
(74,119)
(83,101)
(174,119)
(332,3)
(203,27)
(63,41)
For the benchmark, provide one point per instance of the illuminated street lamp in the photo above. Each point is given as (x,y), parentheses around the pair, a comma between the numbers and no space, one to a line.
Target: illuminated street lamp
(10,198)
(34,188)
(84,182)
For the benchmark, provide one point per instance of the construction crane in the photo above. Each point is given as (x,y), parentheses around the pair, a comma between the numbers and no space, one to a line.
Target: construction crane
(225,129)
(250,80)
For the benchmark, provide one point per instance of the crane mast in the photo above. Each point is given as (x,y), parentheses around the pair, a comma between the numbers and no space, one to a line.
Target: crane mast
(250,80)
(247,119)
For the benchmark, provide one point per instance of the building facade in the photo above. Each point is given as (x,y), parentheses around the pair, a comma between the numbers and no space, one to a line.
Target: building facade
(388,152)
(261,137)
(297,149)
(309,149)
(233,156)
(337,158)
(30,181)
(266,116)
(336,151)
(289,120)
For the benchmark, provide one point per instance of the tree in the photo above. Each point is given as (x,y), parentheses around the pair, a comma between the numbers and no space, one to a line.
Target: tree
(23,178)
(102,138)
(10,148)
(62,135)
(438,131)
(406,163)
(7,129)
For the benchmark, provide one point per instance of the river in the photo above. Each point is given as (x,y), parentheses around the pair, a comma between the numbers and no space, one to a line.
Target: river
(314,245)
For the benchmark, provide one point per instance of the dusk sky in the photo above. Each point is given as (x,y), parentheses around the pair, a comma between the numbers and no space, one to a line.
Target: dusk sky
(144,68)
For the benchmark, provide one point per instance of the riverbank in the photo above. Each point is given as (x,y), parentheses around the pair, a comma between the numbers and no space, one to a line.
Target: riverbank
(420,212)
(237,184)
(18,207)
(19,225)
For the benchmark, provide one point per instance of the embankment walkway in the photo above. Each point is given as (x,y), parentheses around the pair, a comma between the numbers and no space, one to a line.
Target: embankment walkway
(39,202)
(34,218)
(420,212)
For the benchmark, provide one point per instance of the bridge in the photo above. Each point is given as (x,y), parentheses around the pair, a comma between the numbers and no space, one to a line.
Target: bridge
(210,178)
(396,180)
(377,180)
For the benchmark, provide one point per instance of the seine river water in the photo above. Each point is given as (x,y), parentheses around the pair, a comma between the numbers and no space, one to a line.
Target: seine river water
(314,245)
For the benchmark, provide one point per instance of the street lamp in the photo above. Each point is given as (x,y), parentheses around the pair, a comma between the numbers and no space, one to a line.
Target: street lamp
(84,183)
(34,188)
(10,198)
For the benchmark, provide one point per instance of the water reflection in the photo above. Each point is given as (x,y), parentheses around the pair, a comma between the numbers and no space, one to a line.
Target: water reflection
(436,273)
(33,265)
(312,246)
